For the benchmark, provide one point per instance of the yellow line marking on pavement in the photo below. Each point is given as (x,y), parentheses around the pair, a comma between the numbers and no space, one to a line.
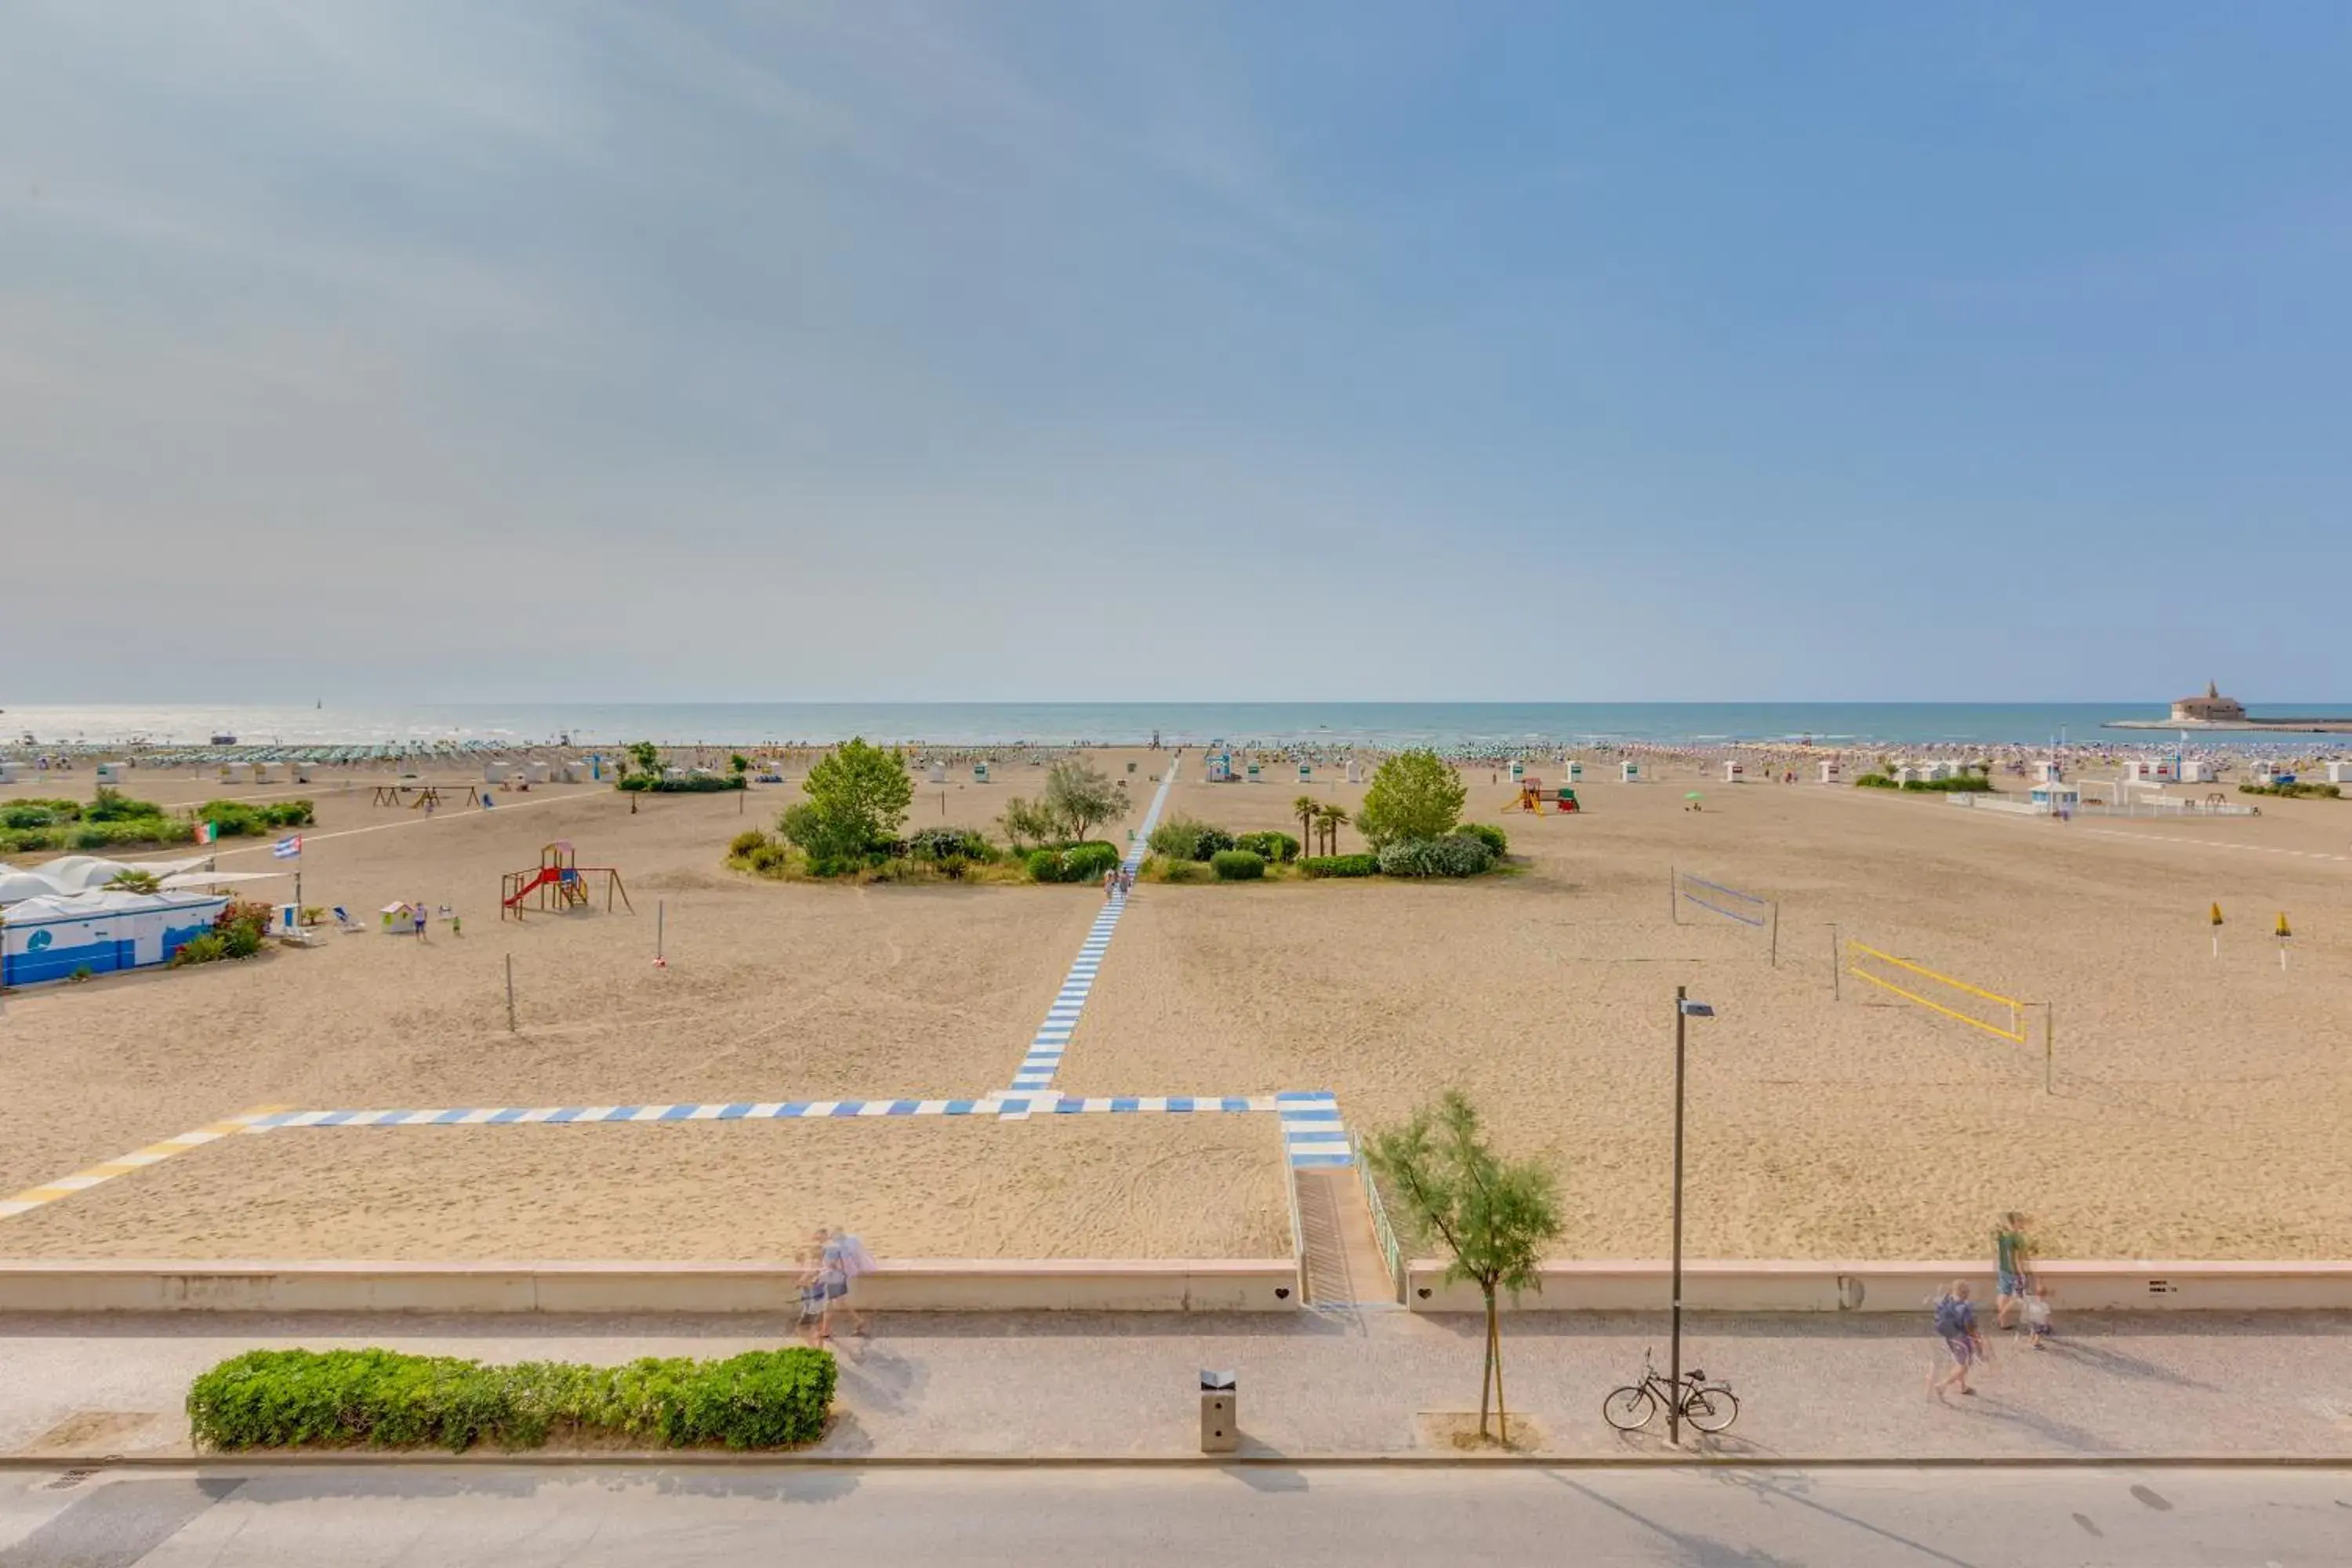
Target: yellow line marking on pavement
(137,1160)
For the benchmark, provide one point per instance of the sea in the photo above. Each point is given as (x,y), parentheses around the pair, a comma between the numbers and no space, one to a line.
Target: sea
(1383,725)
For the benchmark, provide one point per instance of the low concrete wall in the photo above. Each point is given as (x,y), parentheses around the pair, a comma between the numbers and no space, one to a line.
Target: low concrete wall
(908,1285)
(1710,1285)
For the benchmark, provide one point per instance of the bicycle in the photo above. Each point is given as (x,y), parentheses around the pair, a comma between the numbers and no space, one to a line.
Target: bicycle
(1710,1407)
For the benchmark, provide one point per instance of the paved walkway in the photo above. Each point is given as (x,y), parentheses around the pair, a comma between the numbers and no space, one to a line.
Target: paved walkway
(1318,1383)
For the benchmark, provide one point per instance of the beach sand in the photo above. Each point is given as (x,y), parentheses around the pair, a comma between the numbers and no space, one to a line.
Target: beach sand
(2200,1106)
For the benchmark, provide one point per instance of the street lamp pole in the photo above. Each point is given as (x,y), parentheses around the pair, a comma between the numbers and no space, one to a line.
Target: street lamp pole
(1674,1350)
(1685,1009)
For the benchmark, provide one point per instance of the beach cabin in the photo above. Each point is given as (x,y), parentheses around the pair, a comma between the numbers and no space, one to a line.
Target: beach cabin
(57,937)
(1828,773)
(2265,774)
(1306,774)
(1518,772)
(494,772)
(1939,770)
(7,772)
(1735,772)
(2339,772)
(2053,797)
(1629,772)
(937,773)
(537,771)
(2149,770)
(1355,771)
(980,772)
(2048,773)
(1221,767)
(111,773)
(1575,770)
(1250,772)
(1907,773)
(2197,770)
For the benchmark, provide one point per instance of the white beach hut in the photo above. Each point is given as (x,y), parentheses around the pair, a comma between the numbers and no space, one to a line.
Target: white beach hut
(1828,773)
(2054,796)
(2339,772)
(57,937)
(1629,772)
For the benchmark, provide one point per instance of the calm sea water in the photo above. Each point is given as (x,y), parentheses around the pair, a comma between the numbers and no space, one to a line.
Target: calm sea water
(1369,723)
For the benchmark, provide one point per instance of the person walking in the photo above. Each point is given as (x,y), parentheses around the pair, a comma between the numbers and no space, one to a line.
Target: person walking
(844,1259)
(2037,1315)
(2012,1253)
(1956,1325)
(813,1326)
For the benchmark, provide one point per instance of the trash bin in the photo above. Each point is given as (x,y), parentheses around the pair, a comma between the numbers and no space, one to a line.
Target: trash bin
(1220,1418)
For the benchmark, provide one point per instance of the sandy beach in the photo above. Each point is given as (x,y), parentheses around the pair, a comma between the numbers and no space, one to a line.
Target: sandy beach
(2198,1106)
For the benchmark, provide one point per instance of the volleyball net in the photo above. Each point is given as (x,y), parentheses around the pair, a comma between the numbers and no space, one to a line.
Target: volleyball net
(2003,1017)
(1750,909)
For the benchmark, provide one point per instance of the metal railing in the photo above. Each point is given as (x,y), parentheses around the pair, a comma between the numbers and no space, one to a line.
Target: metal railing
(1383,1232)
(1298,1230)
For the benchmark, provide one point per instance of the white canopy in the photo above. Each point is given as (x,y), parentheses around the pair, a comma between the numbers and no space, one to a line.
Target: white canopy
(178,879)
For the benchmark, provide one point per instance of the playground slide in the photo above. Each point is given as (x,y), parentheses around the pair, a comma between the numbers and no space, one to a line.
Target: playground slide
(547,873)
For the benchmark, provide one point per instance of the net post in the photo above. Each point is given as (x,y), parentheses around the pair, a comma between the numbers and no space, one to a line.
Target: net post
(1837,961)
(1776,933)
(1674,895)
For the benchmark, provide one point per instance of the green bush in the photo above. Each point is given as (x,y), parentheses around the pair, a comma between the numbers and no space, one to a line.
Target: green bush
(1278,848)
(53,810)
(745,844)
(1961,783)
(28,814)
(1340,865)
(384,1399)
(209,948)
(111,805)
(770,858)
(2299,790)
(1044,865)
(942,844)
(1454,855)
(1086,862)
(1189,839)
(693,783)
(1413,796)
(1875,781)
(1237,865)
(1494,839)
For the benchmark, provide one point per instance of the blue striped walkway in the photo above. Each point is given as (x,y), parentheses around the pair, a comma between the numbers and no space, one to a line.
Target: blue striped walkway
(1052,1037)
(1313,1135)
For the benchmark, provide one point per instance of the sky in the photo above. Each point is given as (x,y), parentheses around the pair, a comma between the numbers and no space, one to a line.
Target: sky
(1032,349)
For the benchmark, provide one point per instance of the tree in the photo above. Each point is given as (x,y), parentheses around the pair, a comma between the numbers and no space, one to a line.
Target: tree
(1305,807)
(645,758)
(1492,1214)
(1329,821)
(739,764)
(1078,795)
(1413,794)
(1025,824)
(133,879)
(857,798)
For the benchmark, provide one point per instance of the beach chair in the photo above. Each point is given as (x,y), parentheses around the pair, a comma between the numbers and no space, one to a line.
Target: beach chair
(343,920)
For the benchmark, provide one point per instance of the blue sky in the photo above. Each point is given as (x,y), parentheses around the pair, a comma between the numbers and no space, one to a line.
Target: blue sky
(1033,350)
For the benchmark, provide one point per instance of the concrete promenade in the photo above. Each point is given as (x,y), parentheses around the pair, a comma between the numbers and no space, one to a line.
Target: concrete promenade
(1123,1385)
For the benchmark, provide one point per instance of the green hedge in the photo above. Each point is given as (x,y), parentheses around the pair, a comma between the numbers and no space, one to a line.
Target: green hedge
(1454,855)
(1074,863)
(1494,839)
(2299,790)
(1875,781)
(693,783)
(1340,865)
(244,819)
(1276,847)
(1961,783)
(1237,865)
(384,1399)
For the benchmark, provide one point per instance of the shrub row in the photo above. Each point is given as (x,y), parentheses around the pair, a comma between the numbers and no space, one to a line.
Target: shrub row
(1340,865)
(1076,863)
(38,812)
(1494,839)
(237,933)
(1455,854)
(383,1399)
(244,819)
(693,783)
(1237,865)
(1276,847)
(2299,790)
(1189,839)
(1959,784)
(136,833)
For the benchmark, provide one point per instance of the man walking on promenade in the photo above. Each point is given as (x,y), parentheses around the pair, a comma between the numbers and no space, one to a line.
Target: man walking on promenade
(1956,1325)
(2012,1260)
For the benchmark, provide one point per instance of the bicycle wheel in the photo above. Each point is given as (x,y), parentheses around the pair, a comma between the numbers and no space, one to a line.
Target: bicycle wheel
(1629,1409)
(1710,1409)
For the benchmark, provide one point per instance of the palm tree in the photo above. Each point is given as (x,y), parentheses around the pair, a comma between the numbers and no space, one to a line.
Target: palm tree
(133,879)
(1305,808)
(1330,820)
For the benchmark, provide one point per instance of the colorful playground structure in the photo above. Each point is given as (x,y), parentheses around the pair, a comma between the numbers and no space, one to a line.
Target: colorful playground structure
(557,884)
(1534,798)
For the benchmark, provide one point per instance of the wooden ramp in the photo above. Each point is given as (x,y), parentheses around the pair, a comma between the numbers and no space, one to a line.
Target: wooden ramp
(1344,1266)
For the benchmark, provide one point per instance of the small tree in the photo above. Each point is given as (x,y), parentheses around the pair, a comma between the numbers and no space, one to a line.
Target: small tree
(644,757)
(133,879)
(1306,807)
(1413,794)
(1329,821)
(739,764)
(857,796)
(1025,823)
(1078,795)
(1492,1214)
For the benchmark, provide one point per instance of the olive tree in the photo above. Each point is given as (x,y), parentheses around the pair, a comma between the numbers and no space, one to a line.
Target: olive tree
(1079,795)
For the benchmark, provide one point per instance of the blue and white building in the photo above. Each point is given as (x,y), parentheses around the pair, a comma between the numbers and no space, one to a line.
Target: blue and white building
(53,938)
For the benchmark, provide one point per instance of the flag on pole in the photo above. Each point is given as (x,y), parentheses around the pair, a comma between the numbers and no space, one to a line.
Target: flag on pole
(206,833)
(287,849)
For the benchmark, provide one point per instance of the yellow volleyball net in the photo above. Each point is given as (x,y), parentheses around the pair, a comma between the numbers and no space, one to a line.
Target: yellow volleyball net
(2003,1017)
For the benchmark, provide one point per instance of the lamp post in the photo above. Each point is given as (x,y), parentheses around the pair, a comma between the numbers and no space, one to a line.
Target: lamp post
(1685,1008)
